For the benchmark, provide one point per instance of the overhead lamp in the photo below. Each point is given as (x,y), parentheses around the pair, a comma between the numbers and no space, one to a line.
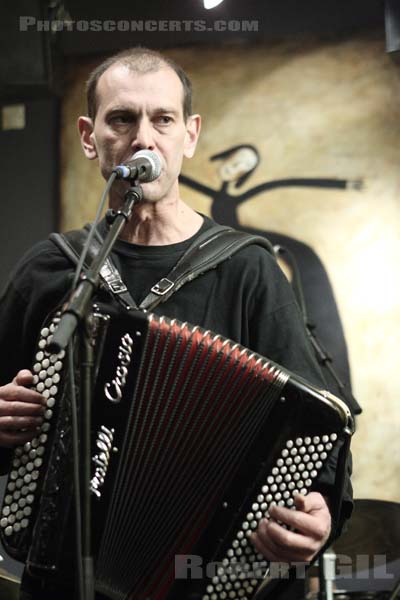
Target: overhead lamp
(211,3)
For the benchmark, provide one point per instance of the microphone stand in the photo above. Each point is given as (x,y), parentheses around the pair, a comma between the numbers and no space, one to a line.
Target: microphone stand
(78,313)
(396,591)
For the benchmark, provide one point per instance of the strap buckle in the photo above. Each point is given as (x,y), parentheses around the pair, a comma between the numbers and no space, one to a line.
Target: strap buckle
(162,287)
(117,287)
(112,278)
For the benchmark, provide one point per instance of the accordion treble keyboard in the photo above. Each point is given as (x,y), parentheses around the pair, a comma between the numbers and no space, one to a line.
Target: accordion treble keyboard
(207,437)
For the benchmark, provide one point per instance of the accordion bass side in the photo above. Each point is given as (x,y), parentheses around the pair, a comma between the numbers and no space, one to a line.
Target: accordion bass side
(194,438)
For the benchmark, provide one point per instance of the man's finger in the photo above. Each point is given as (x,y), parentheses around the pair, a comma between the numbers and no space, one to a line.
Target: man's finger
(315,524)
(301,522)
(9,424)
(291,545)
(314,501)
(21,409)
(18,393)
(275,544)
(10,440)
(23,377)
(262,542)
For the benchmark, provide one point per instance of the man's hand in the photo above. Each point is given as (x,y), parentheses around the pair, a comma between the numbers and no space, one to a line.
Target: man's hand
(311,523)
(21,411)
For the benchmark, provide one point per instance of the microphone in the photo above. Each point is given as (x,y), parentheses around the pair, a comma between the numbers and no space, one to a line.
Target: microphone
(144,166)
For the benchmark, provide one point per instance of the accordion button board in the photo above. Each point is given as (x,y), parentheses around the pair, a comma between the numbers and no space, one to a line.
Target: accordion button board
(28,459)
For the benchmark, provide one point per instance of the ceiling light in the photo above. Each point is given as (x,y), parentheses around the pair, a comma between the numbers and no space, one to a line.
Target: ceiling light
(211,3)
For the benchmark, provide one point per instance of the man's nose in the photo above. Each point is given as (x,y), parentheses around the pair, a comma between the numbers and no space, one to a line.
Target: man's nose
(143,139)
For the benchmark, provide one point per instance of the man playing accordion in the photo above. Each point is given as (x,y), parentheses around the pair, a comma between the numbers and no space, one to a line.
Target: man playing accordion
(140,100)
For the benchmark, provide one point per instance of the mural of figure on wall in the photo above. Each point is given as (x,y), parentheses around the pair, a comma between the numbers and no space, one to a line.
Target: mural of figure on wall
(238,163)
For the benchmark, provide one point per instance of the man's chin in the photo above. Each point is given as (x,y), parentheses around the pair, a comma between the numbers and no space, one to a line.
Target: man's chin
(151,191)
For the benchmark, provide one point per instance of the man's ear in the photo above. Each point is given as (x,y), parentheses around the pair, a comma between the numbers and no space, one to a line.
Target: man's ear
(193,126)
(85,126)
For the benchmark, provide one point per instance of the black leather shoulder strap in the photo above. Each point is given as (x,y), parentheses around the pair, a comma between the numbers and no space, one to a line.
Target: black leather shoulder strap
(71,244)
(206,253)
(216,244)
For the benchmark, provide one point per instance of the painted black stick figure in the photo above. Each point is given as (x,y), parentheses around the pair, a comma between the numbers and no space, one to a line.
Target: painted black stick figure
(237,165)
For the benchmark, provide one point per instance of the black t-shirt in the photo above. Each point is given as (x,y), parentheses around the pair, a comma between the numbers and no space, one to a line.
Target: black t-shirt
(246,298)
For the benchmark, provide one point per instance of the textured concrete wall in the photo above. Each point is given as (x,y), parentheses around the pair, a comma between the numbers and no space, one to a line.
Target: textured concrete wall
(313,109)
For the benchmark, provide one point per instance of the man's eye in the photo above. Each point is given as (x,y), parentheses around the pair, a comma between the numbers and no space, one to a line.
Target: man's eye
(164,119)
(121,119)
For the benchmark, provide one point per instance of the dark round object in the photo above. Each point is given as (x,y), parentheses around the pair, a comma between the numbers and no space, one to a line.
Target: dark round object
(374,528)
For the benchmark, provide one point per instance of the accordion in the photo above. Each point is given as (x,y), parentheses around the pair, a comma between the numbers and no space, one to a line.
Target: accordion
(194,439)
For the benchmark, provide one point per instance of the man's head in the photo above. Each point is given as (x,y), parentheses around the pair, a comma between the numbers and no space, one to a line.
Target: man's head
(140,100)
(139,60)
(239,162)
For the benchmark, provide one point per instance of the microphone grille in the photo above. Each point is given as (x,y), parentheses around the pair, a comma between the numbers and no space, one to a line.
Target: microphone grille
(154,160)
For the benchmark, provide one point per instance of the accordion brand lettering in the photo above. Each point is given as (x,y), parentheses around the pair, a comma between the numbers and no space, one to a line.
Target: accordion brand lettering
(104,444)
(113,390)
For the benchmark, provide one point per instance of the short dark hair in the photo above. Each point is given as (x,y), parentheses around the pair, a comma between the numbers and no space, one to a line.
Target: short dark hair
(140,60)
